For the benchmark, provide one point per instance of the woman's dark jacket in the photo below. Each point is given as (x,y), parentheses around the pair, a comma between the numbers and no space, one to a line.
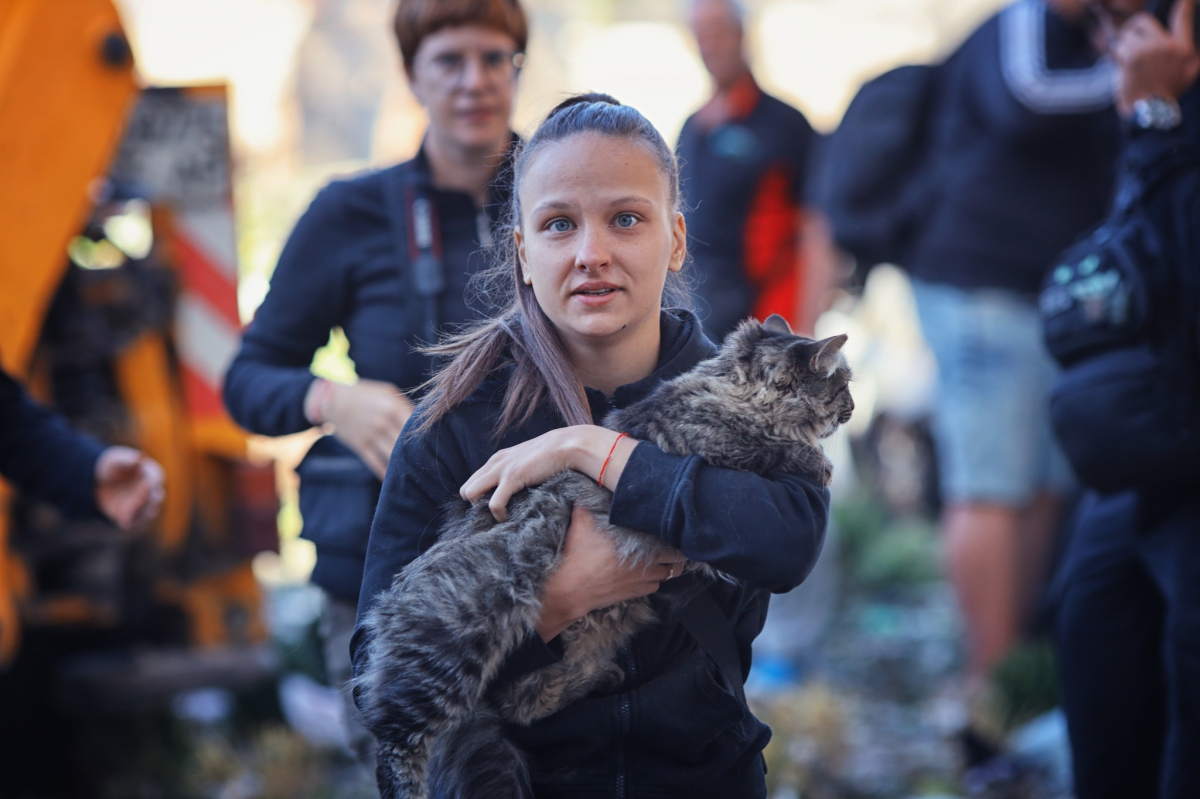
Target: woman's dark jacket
(348,264)
(673,729)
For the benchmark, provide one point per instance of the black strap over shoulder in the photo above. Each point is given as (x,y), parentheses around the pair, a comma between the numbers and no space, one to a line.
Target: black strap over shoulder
(417,239)
(704,619)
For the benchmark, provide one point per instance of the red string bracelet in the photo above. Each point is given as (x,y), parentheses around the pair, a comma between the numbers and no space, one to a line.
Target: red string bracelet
(611,450)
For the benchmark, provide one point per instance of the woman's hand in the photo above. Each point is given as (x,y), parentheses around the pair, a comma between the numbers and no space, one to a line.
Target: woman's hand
(367,417)
(582,448)
(590,576)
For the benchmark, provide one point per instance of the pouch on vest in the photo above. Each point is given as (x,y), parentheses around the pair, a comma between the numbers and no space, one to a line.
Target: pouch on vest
(338,495)
(1113,309)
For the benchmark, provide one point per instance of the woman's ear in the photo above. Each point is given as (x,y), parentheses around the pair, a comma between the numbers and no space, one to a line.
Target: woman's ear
(679,249)
(519,240)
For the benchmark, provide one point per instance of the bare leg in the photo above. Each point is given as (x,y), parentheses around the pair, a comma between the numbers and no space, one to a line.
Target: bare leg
(983,558)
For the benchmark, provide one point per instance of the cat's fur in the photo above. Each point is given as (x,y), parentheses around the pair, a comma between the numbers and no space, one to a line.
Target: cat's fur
(439,635)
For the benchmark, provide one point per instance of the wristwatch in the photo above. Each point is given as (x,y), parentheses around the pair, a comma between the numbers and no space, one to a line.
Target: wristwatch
(1156,113)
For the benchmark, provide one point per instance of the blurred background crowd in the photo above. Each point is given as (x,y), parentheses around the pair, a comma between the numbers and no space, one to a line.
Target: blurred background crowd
(916,660)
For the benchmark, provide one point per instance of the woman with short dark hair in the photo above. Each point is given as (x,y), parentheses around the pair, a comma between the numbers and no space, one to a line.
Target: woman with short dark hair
(385,256)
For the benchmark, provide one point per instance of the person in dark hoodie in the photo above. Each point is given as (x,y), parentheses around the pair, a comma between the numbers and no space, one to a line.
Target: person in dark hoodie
(386,257)
(1129,616)
(1025,158)
(592,271)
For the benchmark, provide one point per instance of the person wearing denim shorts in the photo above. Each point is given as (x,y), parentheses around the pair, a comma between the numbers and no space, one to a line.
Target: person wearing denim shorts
(1026,152)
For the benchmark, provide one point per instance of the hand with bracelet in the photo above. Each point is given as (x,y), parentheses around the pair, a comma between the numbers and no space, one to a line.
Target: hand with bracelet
(590,575)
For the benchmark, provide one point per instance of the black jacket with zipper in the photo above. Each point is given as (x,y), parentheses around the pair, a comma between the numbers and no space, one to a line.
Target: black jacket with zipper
(348,264)
(674,728)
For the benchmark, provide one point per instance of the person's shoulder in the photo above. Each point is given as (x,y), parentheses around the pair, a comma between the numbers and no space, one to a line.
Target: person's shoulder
(783,116)
(781,108)
(474,414)
(490,391)
(359,191)
(689,125)
(980,44)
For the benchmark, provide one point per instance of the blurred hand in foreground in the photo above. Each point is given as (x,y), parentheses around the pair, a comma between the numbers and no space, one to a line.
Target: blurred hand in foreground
(129,487)
(1153,61)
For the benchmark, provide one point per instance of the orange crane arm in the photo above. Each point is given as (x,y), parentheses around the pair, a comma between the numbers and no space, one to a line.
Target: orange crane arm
(66,89)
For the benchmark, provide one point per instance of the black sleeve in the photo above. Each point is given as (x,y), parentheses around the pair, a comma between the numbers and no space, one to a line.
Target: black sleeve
(267,381)
(1036,100)
(423,475)
(41,455)
(766,530)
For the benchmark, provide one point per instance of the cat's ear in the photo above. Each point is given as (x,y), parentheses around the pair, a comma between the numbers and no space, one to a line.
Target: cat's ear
(826,359)
(778,324)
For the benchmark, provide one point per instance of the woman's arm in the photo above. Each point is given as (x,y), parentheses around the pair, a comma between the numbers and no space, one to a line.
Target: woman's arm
(269,388)
(40,454)
(585,448)
(423,476)
(266,385)
(591,576)
(765,529)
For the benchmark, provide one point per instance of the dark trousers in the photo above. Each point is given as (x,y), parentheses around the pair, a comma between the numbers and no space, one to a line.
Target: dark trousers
(1129,641)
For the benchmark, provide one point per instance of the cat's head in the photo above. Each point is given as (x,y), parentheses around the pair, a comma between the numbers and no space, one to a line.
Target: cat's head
(779,369)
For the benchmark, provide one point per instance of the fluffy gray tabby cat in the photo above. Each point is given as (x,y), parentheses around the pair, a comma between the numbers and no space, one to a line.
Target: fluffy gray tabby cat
(440,634)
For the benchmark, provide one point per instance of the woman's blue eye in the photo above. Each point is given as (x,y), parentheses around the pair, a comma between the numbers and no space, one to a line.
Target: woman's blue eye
(560,226)
(626,220)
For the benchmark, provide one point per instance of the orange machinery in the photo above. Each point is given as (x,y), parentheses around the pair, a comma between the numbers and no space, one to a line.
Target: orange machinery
(129,344)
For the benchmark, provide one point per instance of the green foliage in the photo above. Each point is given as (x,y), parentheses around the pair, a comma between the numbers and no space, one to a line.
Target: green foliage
(1025,684)
(859,521)
(904,554)
(883,553)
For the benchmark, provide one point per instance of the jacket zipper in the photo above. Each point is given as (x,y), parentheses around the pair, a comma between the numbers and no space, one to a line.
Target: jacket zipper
(626,716)
(630,665)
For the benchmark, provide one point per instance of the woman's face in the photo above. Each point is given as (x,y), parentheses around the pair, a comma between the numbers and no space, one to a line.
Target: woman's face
(597,235)
(466,79)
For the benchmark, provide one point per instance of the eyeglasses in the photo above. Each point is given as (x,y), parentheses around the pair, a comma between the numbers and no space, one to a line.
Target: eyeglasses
(450,68)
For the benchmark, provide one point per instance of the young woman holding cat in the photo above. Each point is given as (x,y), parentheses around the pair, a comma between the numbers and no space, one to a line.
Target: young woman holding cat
(597,245)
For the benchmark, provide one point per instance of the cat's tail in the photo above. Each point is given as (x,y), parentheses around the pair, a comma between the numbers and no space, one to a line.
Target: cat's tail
(474,760)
